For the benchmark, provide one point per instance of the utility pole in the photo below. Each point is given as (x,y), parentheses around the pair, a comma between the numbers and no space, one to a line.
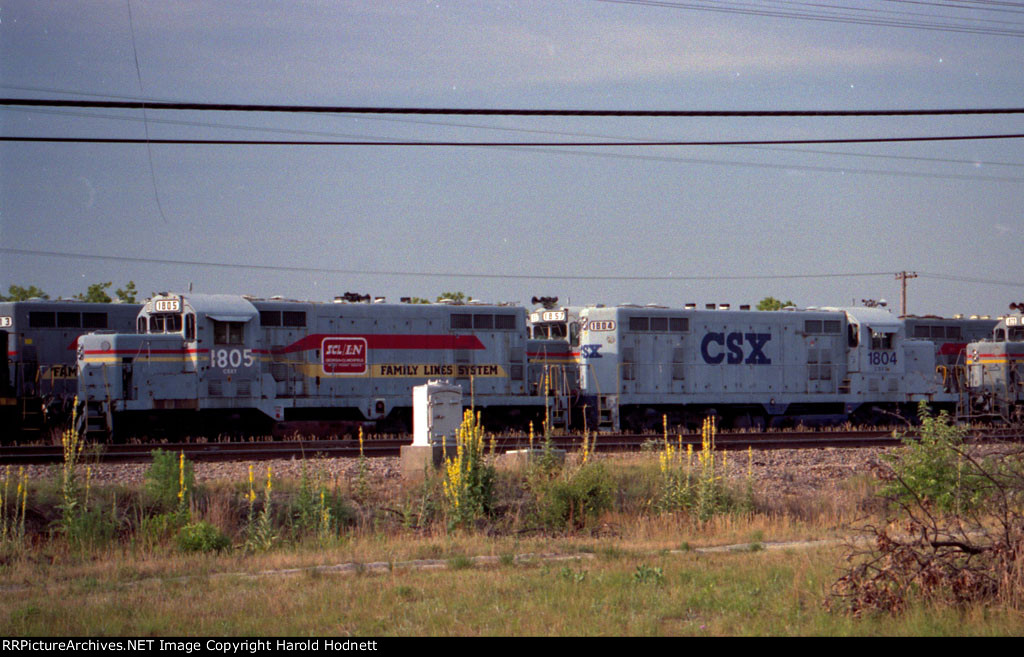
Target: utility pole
(902,278)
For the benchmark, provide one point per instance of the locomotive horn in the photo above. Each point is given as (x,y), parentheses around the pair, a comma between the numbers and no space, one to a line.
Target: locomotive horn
(547,302)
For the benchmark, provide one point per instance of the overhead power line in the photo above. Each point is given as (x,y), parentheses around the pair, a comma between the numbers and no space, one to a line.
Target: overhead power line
(561,133)
(372,272)
(976,163)
(448,143)
(965,279)
(858,14)
(482,111)
(547,276)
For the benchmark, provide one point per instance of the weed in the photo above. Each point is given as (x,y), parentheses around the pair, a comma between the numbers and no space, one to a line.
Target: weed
(362,484)
(611,553)
(72,443)
(406,592)
(312,509)
(961,534)
(202,537)
(92,527)
(701,491)
(156,529)
(12,511)
(931,469)
(645,574)
(423,505)
(260,531)
(167,481)
(588,447)
(460,562)
(468,480)
(572,576)
(574,499)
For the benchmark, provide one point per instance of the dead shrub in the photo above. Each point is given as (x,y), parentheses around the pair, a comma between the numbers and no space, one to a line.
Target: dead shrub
(943,551)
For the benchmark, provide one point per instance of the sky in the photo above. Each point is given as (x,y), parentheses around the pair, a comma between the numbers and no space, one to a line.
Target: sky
(820,225)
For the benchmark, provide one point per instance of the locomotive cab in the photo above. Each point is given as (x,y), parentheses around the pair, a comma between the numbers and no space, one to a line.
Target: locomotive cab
(553,354)
(885,367)
(217,335)
(187,347)
(995,370)
(875,340)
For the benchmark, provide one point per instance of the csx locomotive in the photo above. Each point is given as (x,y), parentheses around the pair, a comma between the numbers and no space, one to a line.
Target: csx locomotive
(38,340)
(224,363)
(753,368)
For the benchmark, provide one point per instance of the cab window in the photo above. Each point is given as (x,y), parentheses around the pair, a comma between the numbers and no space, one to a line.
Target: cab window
(881,340)
(228,332)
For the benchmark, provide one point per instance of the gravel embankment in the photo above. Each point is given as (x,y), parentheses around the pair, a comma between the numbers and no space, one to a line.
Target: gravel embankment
(783,472)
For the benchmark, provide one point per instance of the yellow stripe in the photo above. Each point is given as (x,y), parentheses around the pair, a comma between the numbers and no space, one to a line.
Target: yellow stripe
(92,360)
(409,371)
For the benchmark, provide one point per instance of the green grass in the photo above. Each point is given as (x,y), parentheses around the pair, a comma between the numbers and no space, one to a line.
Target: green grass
(767,593)
(627,571)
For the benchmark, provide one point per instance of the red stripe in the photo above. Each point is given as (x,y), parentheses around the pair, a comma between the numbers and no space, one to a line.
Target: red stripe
(384,341)
(951,348)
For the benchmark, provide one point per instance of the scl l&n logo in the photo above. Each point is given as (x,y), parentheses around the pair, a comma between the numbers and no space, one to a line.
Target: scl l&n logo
(344,355)
(733,352)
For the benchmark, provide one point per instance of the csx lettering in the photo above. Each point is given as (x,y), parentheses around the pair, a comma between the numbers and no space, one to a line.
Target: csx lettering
(591,351)
(733,352)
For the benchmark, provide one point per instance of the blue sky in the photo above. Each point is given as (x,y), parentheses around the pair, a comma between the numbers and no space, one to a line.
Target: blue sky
(710,218)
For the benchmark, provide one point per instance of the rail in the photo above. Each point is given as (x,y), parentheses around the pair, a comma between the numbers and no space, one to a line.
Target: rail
(385,447)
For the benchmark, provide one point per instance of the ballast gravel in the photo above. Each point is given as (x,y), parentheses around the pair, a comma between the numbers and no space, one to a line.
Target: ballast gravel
(778,472)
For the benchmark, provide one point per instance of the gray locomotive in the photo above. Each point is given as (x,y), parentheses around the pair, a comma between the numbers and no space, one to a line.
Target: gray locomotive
(995,369)
(222,363)
(231,364)
(752,368)
(39,338)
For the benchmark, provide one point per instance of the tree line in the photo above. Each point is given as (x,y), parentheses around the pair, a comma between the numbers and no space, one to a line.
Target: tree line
(96,293)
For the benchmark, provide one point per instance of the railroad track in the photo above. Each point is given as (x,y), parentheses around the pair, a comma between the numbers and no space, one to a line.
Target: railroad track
(382,447)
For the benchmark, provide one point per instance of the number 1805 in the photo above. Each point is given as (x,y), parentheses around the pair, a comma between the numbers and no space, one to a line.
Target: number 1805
(231,358)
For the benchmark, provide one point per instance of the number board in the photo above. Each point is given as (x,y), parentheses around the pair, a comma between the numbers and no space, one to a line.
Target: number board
(167,306)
